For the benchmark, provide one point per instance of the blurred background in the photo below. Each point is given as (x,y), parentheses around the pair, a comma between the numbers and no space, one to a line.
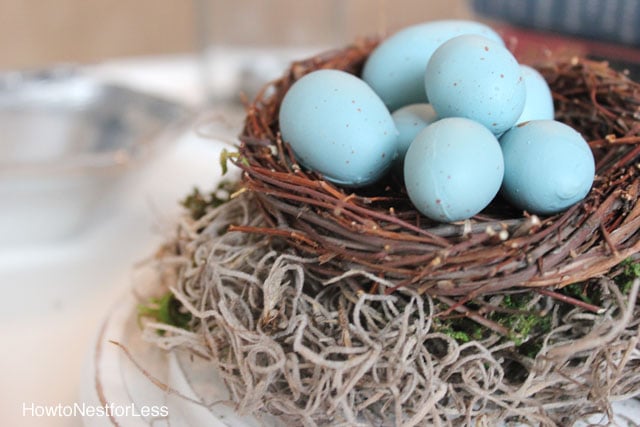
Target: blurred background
(39,33)
(34,33)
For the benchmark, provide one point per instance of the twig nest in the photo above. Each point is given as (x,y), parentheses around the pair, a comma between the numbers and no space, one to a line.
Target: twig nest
(378,230)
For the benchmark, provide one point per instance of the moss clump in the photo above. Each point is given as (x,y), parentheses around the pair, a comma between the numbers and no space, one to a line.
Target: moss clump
(630,272)
(198,204)
(525,325)
(460,335)
(166,309)
(462,329)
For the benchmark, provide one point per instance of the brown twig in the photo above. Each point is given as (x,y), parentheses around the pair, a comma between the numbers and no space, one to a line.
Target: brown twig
(570,300)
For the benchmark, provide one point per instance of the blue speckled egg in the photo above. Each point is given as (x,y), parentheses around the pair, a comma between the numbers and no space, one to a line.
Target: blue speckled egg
(453,169)
(477,78)
(539,102)
(548,166)
(395,69)
(338,126)
(410,120)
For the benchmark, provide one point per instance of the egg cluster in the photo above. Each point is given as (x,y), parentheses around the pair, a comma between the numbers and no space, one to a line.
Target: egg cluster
(447,106)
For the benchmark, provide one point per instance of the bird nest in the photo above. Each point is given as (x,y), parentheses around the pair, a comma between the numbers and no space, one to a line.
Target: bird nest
(377,229)
(331,306)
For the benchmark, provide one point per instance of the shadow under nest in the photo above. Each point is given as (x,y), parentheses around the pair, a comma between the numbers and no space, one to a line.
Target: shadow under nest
(324,306)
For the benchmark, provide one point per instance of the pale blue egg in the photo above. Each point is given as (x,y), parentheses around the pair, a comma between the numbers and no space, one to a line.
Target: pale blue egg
(395,69)
(539,102)
(338,126)
(410,120)
(477,78)
(548,166)
(453,169)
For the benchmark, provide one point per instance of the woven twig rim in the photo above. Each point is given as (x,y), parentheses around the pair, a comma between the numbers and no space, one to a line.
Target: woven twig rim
(378,231)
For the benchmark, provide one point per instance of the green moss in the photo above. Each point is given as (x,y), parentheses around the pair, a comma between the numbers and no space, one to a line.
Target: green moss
(198,204)
(166,309)
(630,272)
(461,329)
(533,326)
(460,336)
(523,325)
(526,328)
